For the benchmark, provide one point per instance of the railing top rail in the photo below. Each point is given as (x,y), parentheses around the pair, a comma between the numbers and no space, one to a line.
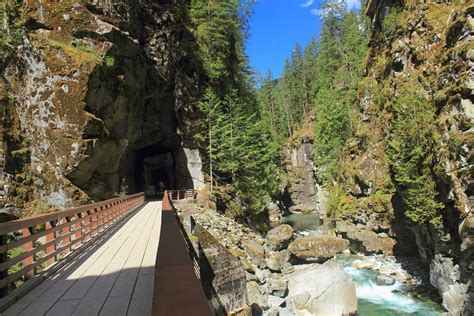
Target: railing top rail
(46,242)
(15,225)
(187,194)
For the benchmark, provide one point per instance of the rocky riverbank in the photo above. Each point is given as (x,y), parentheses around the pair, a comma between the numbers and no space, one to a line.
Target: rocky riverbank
(290,272)
(286,273)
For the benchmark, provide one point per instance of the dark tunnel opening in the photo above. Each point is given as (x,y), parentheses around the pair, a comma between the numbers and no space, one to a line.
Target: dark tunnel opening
(157,168)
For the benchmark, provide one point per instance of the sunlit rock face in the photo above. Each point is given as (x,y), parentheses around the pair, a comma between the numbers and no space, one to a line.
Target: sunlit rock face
(101,90)
(432,43)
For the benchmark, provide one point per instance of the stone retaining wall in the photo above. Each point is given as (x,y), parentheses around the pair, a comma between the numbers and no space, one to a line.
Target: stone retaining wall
(222,274)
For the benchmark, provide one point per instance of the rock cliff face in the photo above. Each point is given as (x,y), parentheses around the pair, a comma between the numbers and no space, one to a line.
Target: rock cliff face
(103,102)
(433,44)
(302,193)
(301,185)
(430,45)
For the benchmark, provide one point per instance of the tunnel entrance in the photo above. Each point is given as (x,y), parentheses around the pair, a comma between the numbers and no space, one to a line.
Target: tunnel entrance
(159,173)
(158,168)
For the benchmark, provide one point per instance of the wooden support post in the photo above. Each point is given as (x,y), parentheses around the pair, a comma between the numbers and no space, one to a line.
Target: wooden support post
(4,273)
(50,249)
(93,221)
(119,211)
(115,212)
(108,219)
(96,224)
(78,228)
(64,231)
(86,228)
(106,216)
(27,247)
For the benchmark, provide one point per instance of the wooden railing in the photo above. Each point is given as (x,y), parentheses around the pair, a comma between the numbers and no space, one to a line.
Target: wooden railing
(177,289)
(34,246)
(176,195)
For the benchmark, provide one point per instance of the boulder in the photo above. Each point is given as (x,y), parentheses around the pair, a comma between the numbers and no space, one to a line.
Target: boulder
(387,270)
(288,268)
(277,285)
(317,248)
(248,266)
(256,252)
(250,277)
(366,241)
(304,208)
(364,264)
(255,297)
(274,213)
(272,312)
(263,275)
(276,260)
(322,289)
(384,280)
(470,54)
(9,213)
(445,276)
(279,237)
(275,301)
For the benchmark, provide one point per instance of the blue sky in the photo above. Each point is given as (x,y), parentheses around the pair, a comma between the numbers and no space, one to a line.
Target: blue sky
(275,28)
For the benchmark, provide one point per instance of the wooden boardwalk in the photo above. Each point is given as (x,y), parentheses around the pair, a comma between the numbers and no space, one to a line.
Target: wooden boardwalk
(112,277)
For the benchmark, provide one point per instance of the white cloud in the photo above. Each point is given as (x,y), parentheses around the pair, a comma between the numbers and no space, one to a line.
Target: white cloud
(308,3)
(353,4)
(319,12)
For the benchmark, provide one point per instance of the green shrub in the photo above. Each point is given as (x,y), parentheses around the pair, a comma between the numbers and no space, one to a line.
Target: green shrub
(332,128)
(109,61)
(12,254)
(11,29)
(410,151)
(395,19)
(334,198)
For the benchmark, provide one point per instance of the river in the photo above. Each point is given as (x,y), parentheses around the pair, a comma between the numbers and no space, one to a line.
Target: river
(373,300)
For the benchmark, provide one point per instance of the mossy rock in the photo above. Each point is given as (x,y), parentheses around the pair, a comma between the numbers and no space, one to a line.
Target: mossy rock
(236,252)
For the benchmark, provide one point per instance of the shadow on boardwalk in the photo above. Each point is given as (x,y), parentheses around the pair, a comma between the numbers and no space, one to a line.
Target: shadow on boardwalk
(97,281)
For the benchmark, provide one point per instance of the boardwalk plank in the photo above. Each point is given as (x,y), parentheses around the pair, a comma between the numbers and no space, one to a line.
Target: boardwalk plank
(115,306)
(86,279)
(149,260)
(128,276)
(63,308)
(96,280)
(96,296)
(142,296)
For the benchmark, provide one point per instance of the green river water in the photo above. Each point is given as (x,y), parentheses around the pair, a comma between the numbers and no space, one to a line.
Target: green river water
(374,300)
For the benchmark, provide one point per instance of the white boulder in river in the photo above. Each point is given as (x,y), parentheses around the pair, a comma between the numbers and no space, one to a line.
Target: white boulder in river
(322,289)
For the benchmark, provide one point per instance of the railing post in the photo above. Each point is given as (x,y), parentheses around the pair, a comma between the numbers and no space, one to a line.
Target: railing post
(27,247)
(100,217)
(3,258)
(109,214)
(85,225)
(49,237)
(64,231)
(56,236)
(78,227)
(118,210)
(93,221)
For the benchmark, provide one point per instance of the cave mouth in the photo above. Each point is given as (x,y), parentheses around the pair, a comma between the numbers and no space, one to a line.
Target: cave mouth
(158,168)
(159,173)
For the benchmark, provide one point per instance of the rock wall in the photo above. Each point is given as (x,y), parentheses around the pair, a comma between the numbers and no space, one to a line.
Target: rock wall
(303,193)
(99,86)
(431,43)
(223,273)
